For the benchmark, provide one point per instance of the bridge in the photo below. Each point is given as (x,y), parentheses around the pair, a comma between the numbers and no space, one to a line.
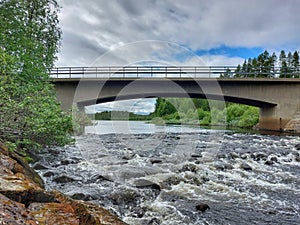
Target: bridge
(277,98)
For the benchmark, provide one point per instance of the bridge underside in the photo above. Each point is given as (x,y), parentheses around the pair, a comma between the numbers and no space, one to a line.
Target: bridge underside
(251,102)
(278,101)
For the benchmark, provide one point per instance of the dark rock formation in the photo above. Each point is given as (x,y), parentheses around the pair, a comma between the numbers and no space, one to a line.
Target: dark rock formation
(202,207)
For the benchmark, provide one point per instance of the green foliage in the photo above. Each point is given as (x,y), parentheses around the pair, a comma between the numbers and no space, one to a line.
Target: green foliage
(30,116)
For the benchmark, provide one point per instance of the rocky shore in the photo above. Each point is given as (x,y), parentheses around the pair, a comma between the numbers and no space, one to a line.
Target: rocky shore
(23,199)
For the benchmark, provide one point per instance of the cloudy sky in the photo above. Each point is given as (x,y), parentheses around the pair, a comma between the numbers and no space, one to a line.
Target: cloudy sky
(189,32)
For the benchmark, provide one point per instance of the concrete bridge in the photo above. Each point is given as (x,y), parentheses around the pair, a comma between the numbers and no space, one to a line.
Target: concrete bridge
(277,98)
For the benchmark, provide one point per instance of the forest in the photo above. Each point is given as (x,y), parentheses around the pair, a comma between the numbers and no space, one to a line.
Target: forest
(268,65)
(192,111)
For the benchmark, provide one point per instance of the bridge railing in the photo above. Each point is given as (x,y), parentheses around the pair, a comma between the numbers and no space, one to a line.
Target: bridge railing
(138,72)
(168,72)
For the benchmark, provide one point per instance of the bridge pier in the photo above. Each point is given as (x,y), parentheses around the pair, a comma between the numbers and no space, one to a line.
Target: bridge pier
(278,117)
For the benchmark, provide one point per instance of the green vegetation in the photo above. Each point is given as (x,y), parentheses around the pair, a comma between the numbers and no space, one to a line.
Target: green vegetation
(192,111)
(30,116)
(204,112)
(120,115)
(267,66)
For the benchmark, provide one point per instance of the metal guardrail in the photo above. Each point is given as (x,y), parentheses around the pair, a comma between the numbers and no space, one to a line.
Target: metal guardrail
(163,72)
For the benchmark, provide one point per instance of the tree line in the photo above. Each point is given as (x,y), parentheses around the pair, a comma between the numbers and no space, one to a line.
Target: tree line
(268,65)
(191,111)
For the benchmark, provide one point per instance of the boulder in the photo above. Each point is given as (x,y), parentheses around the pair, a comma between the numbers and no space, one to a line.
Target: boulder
(143,183)
(202,207)
(245,166)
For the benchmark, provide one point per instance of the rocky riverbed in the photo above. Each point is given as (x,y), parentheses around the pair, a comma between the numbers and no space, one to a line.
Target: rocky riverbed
(200,177)
(23,199)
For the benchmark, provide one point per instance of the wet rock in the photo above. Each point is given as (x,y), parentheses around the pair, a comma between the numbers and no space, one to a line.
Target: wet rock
(222,166)
(273,159)
(245,166)
(38,166)
(99,178)
(234,155)
(196,156)
(154,161)
(297,146)
(81,196)
(125,196)
(154,221)
(48,174)
(172,180)
(269,162)
(257,156)
(244,156)
(202,207)
(189,167)
(142,183)
(63,179)
(297,158)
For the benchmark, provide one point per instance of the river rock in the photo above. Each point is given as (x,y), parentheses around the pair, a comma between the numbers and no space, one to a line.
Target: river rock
(143,183)
(297,146)
(202,207)
(39,166)
(234,155)
(257,156)
(269,162)
(189,167)
(48,174)
(63,179)
(154,161)
(245,166)
(223,166)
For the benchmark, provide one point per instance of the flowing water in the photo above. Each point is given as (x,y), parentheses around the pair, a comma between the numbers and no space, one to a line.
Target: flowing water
(149,174)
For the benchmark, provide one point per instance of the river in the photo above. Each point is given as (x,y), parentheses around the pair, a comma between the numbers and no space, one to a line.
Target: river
(148,174)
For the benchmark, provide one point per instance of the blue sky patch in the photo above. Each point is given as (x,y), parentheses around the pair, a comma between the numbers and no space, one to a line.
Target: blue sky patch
(242,52)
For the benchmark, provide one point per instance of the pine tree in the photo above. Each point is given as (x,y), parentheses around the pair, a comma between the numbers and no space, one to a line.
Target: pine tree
(295,64)
(283,64)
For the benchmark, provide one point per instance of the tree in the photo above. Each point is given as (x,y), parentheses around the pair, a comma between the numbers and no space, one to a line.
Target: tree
(238,71)
(272,62)
(283,64)
(295,64)
(29,40)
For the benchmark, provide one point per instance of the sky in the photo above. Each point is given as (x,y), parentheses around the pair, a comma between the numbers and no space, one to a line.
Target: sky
(173,32)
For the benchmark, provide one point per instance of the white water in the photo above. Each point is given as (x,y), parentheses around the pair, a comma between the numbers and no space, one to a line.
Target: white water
(196,166)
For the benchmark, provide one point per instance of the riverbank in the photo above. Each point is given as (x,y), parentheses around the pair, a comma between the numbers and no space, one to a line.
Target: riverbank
(23,199)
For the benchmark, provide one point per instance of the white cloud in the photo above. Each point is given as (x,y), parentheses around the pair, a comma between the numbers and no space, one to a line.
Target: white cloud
(139,106)
(198,24)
